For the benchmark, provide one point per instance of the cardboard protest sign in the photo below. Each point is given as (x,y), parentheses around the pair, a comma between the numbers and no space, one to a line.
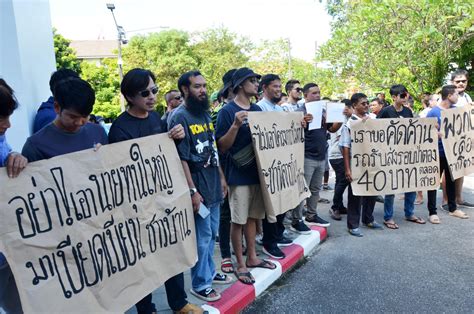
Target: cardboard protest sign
(97,231)
(457,129)
(392,156)
(278,141)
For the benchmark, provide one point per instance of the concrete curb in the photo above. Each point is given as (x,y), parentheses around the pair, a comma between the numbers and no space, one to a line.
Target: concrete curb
(238,295)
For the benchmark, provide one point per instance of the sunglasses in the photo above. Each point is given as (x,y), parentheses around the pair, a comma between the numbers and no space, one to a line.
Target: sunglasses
(177,97)
(145,93)
(460,81)
(299,89)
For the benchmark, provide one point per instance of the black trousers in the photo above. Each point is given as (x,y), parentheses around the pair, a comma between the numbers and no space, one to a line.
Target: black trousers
(341,183)
(272,232)
(450,188)
(224,229)
(358,205)
(175,294)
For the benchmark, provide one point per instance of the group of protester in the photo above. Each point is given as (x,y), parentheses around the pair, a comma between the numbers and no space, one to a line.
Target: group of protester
(216,152)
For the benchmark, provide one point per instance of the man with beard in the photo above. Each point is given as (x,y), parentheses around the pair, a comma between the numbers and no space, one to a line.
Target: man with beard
(198,153)
(294,91)
(173,99)
(245,197)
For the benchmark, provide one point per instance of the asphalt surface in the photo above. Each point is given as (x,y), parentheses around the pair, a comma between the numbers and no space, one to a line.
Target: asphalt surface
(417,268)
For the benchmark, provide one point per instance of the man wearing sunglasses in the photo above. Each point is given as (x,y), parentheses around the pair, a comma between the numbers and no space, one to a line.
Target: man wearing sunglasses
(173,99)
(399,95)
(459,78)
(295,93)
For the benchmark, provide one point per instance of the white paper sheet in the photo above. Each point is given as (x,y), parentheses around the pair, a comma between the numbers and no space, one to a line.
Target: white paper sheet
(334,112)
(316,109)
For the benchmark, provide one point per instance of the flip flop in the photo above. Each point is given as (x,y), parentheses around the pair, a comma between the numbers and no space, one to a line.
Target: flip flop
(245,277)
(459,214)
(434,219)
(264,264)
(390,225)
(416,220)
(226,266)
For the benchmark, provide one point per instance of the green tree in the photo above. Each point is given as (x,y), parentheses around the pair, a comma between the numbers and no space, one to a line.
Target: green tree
(378,43)
(65,55)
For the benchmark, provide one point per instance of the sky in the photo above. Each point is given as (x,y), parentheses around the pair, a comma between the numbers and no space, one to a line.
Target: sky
(304,22)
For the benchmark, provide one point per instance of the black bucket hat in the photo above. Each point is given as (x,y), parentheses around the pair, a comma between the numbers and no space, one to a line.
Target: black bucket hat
(242,74)
(227,80)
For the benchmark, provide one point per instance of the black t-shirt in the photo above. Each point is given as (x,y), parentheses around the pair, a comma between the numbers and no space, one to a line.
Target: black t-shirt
(390,112)
(51,141)
(199,150)
(127,127)
(315,141)
(225,119)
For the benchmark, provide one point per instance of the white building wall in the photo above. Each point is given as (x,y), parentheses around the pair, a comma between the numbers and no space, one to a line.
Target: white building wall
(26,60)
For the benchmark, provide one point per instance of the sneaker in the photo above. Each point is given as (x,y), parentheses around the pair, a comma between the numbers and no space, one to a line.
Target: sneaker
(466,204)
(259,239)
(374,225)
(274,252)
(327,187)
(190,308)
(286,233)
(335,214)
(317,221)
(324,201)
(356,232)
(300,228)
(284,241)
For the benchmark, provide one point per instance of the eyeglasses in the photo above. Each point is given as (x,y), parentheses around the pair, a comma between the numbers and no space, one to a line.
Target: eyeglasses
(403,95)
(145,93)
(460,81)
(177,97)
(299,89)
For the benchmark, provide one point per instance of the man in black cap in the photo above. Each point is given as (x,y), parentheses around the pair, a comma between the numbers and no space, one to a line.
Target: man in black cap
(245,197)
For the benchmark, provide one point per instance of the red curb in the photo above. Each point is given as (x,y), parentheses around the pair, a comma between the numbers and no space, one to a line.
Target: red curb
(235,298)
(293,254)
(323,232)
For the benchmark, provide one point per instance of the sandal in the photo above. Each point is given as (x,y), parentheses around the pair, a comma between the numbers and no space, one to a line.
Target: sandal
(222,279)
(263,264)
(245,277)
(227,266)
(390,225)
(416,220)
(208,294)
(434,219)
(459,214)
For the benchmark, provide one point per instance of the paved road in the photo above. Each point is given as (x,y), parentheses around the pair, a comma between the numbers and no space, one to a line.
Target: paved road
(418,268)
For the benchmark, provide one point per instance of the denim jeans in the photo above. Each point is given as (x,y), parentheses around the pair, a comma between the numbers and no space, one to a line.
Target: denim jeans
(206,230)
(9,297)
(409,205)
(313,174)
(341,183)
(224,229)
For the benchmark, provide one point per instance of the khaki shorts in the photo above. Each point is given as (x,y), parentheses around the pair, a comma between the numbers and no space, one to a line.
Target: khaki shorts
(245,201)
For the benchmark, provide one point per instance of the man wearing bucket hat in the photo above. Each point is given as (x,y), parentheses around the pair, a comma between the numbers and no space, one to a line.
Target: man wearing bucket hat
(245,197)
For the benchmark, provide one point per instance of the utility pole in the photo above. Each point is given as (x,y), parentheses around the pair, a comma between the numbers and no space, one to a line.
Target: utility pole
(120,40)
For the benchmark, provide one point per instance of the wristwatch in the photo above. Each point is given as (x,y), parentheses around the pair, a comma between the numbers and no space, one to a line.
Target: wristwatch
(193,191)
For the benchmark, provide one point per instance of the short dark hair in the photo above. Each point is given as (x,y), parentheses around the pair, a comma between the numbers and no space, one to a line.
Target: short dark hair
(134,82)
(184,80)
(169,92)
(60,75)
(447,90)
(377,100)
(284,95)
(459,72)
(347,102)
(308,86)
(268,78)
(8,102)
(75,94)
(398,89)
(356,97)
(290,84)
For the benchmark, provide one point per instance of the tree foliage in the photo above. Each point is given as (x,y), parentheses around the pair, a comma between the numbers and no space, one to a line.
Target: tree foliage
(65,55)
(378,43)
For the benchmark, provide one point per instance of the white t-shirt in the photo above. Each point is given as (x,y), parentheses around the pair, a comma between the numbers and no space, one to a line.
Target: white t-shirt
(463,100)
